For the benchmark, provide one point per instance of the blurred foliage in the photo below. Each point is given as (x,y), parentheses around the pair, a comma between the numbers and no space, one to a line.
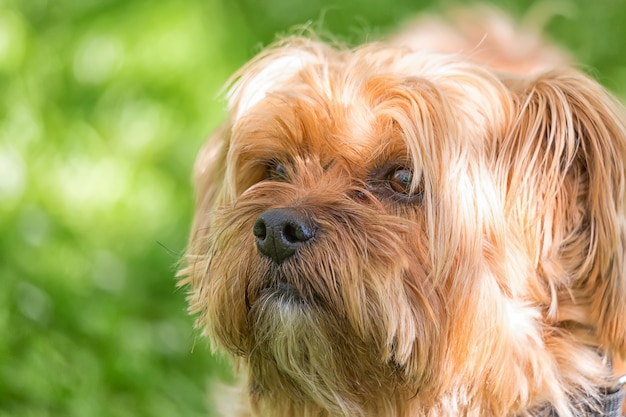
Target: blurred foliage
(103,105)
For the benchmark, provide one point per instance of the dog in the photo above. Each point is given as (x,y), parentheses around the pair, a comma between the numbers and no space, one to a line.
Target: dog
(390,230)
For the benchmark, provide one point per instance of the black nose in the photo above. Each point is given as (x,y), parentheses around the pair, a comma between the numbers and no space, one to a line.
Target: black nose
(279,232)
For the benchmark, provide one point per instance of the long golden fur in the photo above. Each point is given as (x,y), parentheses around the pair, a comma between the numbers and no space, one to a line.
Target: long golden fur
(466,247)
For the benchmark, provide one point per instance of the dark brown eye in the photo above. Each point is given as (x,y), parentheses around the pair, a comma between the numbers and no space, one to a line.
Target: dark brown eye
(275,171)
(400,180)
(396,183)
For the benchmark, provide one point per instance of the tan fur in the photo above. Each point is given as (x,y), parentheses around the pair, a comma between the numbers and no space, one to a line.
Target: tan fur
(500,292)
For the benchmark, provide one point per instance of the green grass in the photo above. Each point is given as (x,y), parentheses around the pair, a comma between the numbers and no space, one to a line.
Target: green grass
(103,106)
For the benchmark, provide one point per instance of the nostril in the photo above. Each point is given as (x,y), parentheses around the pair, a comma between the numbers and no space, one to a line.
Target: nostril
(294,232)
(289,233)
(260,229)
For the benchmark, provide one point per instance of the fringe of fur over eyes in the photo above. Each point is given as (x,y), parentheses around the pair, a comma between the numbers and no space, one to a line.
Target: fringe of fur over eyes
(464,220)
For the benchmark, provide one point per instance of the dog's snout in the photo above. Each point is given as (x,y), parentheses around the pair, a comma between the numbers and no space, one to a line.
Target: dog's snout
(279,232)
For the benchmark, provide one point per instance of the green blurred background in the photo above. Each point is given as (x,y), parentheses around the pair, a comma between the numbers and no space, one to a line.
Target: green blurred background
(103,106)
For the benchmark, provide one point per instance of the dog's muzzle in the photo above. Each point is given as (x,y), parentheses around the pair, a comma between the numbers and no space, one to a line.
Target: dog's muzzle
(281,232)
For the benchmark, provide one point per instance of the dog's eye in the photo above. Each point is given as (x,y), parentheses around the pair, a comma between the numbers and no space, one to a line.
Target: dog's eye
(276,171)
(401,185)
(400,179)
(396,183)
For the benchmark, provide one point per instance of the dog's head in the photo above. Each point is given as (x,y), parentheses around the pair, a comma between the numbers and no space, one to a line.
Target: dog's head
(379,227)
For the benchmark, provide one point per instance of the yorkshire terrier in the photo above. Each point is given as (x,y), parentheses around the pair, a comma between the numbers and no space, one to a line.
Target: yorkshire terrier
(391,231)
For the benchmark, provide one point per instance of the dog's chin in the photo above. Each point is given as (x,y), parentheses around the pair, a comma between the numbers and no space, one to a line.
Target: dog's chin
(287,287)
(288,330)
(282,298)
(284,293)
(280,302)
(300,351)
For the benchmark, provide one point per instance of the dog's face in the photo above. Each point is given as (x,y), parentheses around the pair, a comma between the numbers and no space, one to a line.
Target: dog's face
(379,230)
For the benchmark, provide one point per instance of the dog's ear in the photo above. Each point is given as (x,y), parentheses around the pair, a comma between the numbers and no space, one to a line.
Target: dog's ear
(563,166)
(208,178)
(208,175)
